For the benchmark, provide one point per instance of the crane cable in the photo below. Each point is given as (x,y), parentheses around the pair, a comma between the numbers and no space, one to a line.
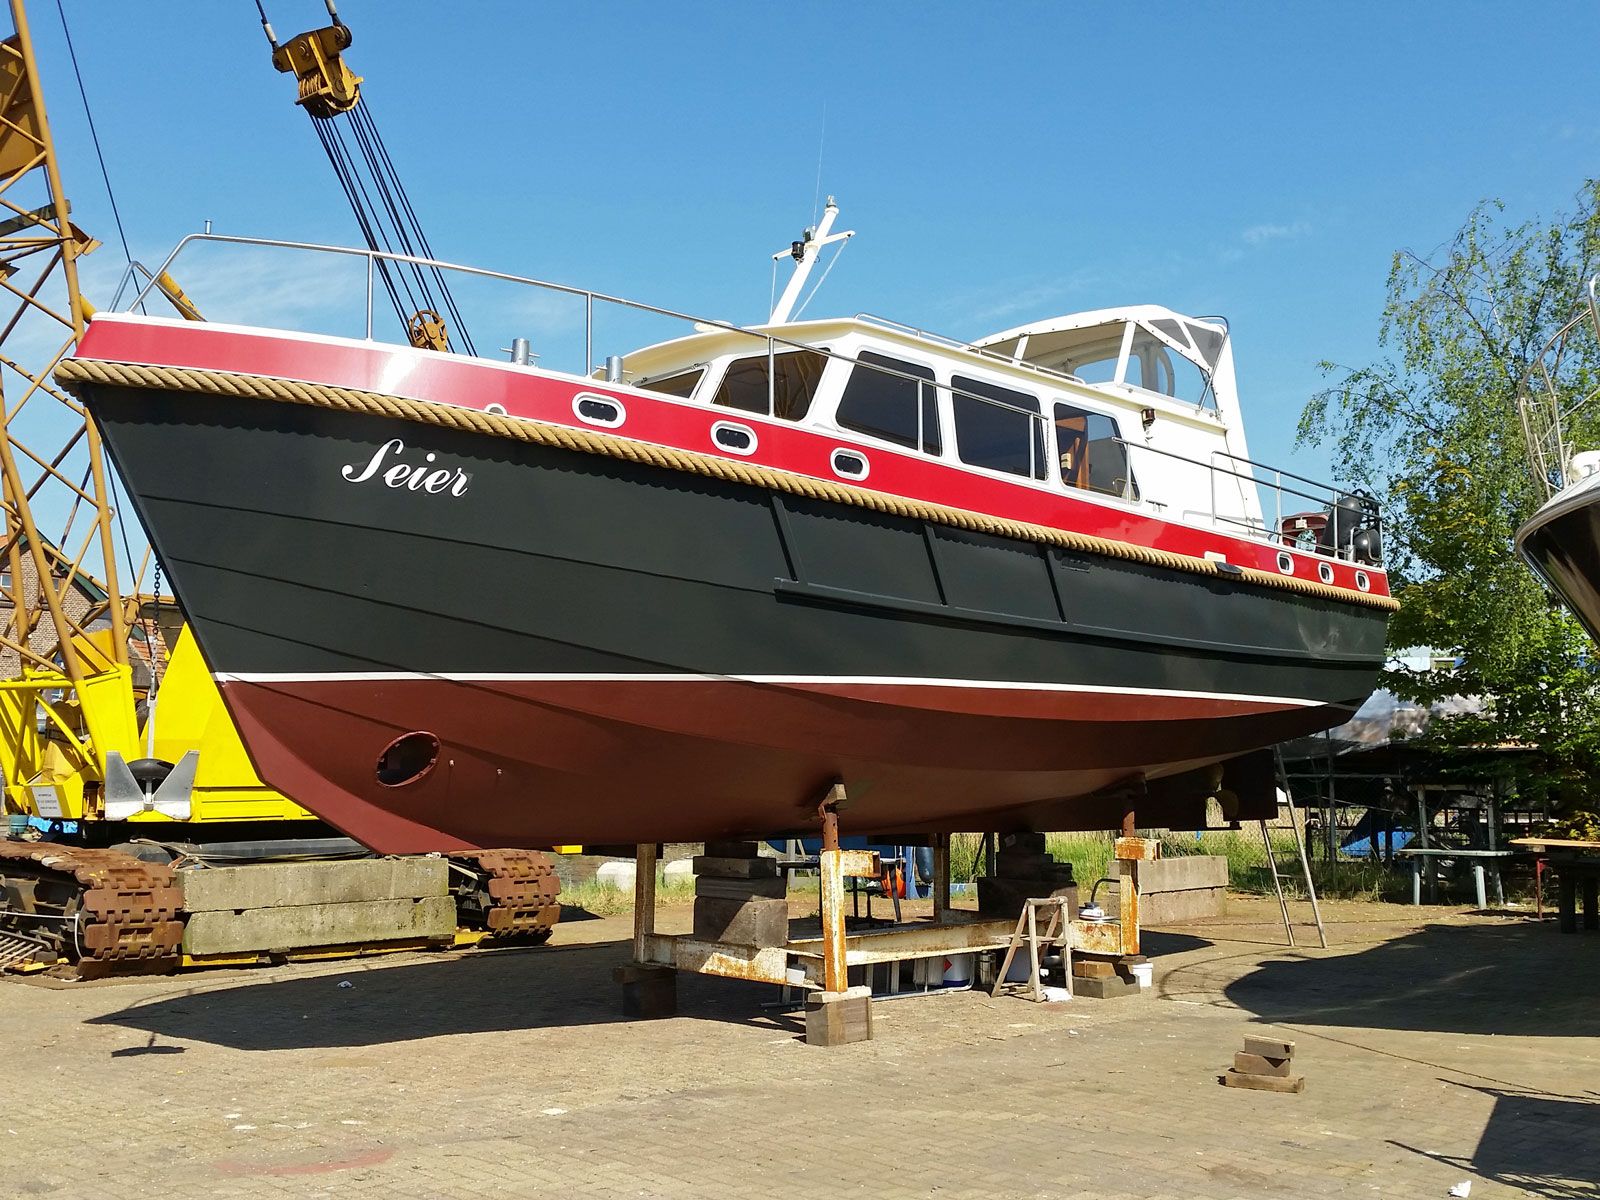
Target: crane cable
(383,210)
(151,637)
(94,136)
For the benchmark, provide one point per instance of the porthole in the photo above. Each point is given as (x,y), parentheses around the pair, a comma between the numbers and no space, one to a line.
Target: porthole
(849,464)
(1325,572)
(1363,581)
(739,439)
(408,759)
(498,410)
(1285,562)
(598,410)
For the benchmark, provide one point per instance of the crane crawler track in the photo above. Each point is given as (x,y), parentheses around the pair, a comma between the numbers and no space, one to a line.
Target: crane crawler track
(509,893)
(99,911)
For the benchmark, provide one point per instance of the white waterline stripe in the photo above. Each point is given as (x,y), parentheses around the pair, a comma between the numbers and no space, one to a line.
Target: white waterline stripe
(686,677)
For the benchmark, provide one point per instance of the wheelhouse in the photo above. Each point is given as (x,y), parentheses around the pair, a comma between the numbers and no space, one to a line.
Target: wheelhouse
(1128,408)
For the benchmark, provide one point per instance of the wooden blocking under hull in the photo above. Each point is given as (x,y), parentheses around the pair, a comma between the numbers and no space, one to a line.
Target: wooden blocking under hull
(1003,898)
(1269,1047)
(647,992)
(1263,1083)
(709,866)
(732,850)
(1107,987)
(1022,864)
(741,889)
(1025,843)
(839,1018)
(754,921)
(1255,1064)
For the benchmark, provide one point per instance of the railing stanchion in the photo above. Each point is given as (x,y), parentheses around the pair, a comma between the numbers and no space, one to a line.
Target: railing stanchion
(588,333)
(772,378)
(372,263)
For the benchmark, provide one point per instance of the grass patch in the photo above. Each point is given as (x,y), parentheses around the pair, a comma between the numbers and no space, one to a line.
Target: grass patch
(1090,856)
(607,900)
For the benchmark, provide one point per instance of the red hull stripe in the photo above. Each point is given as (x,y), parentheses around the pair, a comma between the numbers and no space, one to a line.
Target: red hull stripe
(547,396)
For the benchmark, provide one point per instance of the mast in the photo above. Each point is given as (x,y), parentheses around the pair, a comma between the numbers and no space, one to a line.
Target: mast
(804,252)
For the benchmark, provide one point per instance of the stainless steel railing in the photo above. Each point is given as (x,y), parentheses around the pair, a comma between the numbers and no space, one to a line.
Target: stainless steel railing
(1040,440)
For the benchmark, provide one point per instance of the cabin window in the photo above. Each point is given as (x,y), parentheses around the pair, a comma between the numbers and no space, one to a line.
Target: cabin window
(891,407)
(1156,367)
(680,384)
(744,384)
(998,428)
(1092,454)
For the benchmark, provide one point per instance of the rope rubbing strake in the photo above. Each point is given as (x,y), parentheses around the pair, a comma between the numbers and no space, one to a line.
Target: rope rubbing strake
(72,373)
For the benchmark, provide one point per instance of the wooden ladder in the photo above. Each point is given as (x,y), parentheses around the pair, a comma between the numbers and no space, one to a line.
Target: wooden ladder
(1055,934)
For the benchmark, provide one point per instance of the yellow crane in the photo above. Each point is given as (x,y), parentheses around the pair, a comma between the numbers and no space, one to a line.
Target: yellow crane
(123,752)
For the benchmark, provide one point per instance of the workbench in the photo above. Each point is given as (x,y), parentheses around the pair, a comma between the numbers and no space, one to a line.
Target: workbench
(1577,865)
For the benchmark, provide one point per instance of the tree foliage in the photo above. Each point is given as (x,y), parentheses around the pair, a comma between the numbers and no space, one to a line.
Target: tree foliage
(1433,427)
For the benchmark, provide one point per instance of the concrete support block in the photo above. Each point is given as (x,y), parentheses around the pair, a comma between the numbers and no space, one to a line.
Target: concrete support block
(648,992)
(839,1018)
(286,885)
(735,868)
(750,922)
(1180,873)
(741,889)
(259,930)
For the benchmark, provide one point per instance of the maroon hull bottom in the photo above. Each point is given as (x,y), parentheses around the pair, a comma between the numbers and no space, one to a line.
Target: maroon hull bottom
(596,761)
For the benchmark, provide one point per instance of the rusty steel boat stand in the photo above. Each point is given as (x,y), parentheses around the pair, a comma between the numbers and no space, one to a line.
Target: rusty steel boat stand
(836,1013)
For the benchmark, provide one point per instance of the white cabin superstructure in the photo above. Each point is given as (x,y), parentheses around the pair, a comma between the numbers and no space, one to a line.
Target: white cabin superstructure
(1132,408)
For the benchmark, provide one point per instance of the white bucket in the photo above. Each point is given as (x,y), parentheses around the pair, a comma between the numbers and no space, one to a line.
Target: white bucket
(1144,974)
(958,970)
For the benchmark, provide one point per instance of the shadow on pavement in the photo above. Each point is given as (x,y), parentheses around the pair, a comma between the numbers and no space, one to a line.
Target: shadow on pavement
(472,992)
(1539,1144)
(1516,977)
(1157,942)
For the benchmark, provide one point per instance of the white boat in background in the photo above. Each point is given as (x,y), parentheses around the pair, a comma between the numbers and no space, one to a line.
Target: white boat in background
(1561,541)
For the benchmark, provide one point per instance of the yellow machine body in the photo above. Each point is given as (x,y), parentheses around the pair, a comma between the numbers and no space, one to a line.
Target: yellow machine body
(53,744)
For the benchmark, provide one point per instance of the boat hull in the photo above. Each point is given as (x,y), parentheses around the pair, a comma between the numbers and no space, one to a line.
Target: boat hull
(609,651)
(1562,543)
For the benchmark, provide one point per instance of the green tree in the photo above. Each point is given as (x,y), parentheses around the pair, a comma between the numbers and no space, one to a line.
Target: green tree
(1433,427)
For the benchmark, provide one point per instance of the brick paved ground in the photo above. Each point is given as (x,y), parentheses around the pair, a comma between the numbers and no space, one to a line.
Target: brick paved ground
(1437,1047)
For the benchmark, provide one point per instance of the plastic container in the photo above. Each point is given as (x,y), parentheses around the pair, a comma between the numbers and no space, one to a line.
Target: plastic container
(1143,973)
(958,970)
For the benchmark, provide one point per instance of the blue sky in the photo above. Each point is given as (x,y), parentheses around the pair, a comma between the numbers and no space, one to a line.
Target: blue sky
(1001,162)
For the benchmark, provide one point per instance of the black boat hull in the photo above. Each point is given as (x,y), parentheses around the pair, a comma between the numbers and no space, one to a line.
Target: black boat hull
(611,652)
